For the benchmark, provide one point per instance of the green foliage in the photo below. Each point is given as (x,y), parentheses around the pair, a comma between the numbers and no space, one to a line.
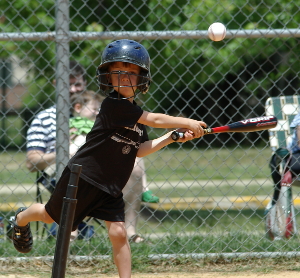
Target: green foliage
(190,76)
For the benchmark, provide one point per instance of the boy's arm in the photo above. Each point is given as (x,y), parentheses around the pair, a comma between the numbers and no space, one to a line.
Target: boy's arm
(152,146)
(37,137)
(37,160)
(158,120)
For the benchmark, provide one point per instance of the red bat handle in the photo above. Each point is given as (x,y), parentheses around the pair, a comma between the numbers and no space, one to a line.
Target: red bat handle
(219,129)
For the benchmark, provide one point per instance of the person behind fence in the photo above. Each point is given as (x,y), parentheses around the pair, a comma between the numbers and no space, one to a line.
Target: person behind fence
(119,134)
(41,137)
(294,147)
(85,108)
(288,158)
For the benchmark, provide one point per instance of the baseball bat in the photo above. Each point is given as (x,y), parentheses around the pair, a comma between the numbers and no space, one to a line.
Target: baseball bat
(248,125)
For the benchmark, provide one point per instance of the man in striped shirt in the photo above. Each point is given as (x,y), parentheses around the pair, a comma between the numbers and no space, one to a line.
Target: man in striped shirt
(41,136)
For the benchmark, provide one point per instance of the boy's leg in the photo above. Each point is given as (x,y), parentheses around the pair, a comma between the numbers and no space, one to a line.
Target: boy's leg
(121,249)
(21,234)
(35,212)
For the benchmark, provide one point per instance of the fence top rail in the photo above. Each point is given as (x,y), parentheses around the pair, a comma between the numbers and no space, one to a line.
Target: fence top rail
(149,35)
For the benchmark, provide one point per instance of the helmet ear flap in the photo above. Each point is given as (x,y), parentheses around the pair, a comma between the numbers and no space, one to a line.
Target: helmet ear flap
(103,79)
(145,80)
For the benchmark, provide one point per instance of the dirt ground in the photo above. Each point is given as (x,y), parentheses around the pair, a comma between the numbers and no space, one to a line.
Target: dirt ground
(281,267)
(281,274)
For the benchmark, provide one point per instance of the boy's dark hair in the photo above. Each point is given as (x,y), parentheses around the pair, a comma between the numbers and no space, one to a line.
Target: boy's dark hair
(84,97)
(77,69)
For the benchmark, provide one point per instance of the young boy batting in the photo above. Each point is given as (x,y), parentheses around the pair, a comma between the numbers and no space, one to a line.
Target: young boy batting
(107,158)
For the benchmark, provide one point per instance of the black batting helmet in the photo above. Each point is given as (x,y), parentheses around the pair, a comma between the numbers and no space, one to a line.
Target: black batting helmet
(128,51)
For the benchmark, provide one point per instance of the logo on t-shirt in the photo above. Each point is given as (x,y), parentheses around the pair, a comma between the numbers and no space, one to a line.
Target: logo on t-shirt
(121,139)
(137,129)
(126,149)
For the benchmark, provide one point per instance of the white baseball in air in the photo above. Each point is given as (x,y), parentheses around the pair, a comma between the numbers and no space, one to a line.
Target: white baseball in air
(217,31)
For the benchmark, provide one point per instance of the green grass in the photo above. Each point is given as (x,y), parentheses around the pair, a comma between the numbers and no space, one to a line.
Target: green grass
(174,231)
(173,164)
(13,168)
(181,233)
(13,126)
(170,164)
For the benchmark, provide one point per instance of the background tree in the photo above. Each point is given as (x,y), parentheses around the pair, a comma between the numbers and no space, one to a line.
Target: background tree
(214,81)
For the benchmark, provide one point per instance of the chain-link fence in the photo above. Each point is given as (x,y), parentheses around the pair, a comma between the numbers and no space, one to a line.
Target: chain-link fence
(213,191)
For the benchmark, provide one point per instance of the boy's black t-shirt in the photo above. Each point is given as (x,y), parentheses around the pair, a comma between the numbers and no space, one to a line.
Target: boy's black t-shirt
(108,156)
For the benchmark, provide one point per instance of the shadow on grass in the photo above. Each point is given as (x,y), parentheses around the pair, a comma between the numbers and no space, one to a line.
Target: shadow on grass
(205,217)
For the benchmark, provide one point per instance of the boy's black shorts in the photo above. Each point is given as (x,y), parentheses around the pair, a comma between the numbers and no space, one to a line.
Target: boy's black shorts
(91,201)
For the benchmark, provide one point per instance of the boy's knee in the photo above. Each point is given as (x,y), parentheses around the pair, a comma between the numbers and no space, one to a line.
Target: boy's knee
(118,232)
